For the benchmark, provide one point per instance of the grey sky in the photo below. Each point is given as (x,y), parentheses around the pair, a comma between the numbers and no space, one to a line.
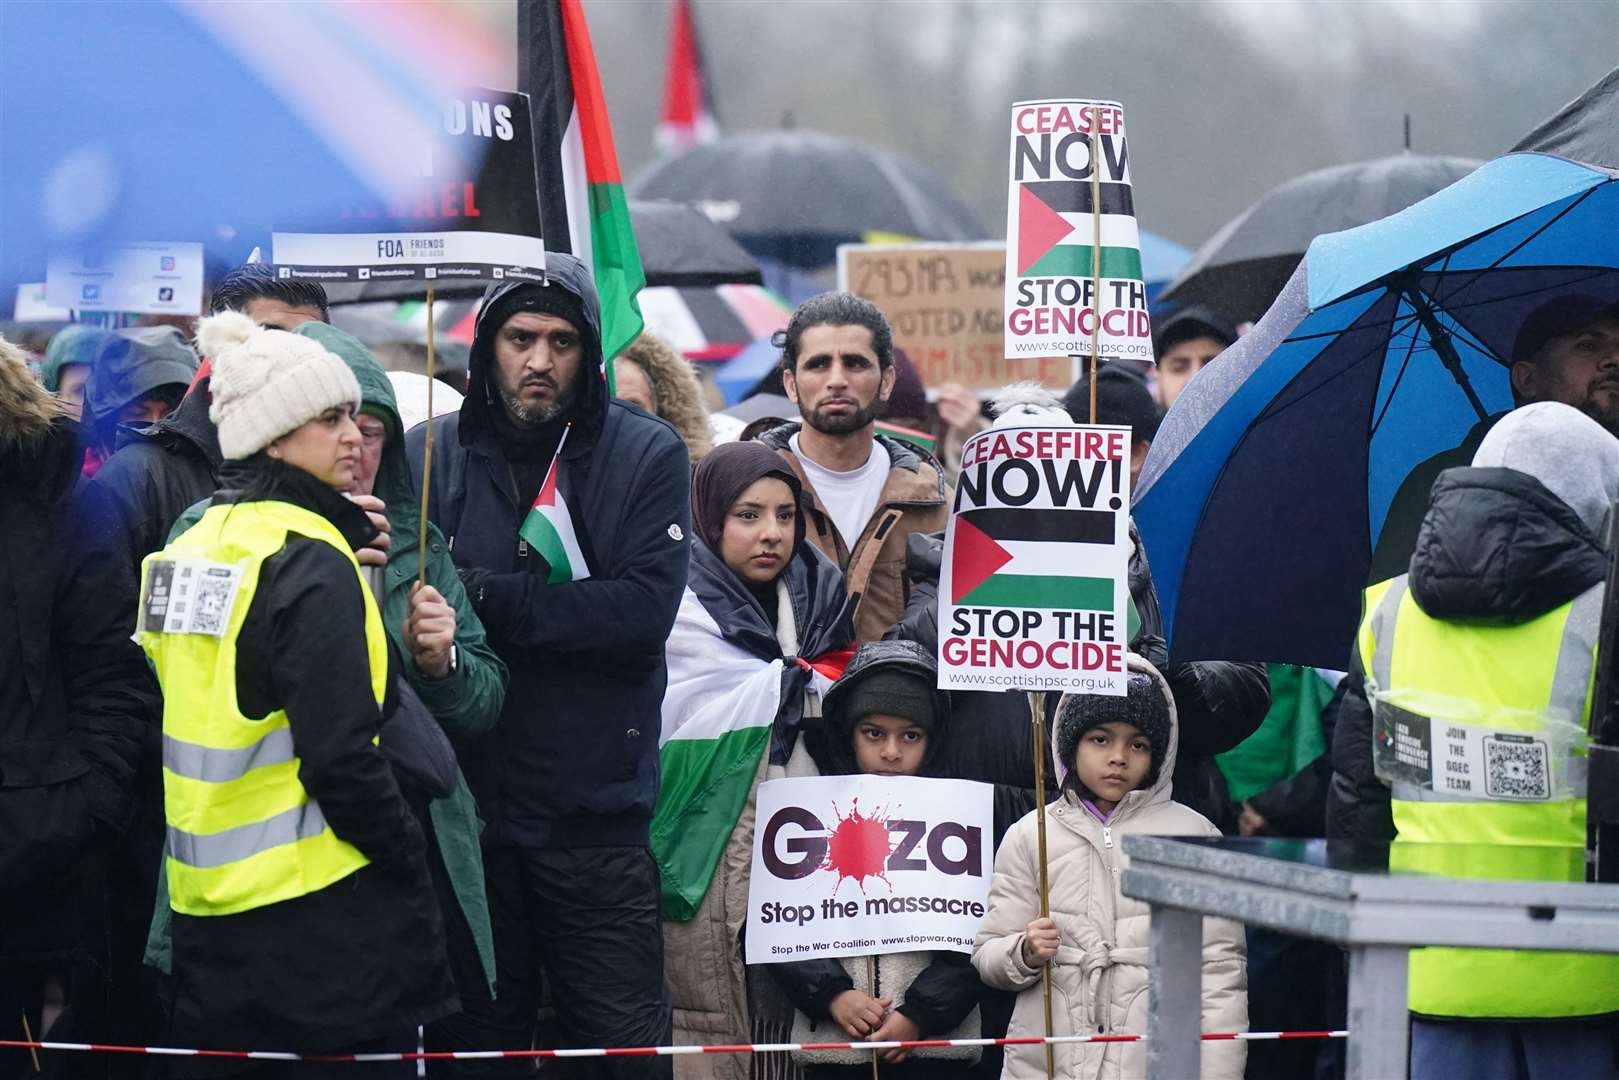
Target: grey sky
(1223,98)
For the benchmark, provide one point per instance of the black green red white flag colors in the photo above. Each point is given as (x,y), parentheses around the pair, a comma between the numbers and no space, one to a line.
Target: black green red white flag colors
(581,190)
(1034,593)
(549,527)
(1058,216)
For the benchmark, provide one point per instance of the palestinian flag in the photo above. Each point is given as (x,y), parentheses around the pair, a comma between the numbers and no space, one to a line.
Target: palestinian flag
(582,202)
(1056,231)
(688,111)
(1006,558)
(549,527)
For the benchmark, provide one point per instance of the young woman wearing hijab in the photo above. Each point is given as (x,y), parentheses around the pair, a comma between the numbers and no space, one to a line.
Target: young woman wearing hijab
(759,605)
(304,918)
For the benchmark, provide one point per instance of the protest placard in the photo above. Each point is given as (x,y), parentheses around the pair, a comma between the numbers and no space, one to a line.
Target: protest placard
(1034,593)
(155,278)
(856,865)
(943,303)
(473,216)
(1052,234)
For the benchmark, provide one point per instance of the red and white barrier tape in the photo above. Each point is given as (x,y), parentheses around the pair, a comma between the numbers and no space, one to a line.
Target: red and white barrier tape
(646,1051)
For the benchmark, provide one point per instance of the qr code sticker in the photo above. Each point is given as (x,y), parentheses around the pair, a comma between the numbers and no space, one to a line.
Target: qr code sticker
(1516,768)
(212,604)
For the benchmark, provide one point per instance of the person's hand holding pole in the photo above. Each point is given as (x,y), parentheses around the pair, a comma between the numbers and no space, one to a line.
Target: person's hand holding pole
(430,630)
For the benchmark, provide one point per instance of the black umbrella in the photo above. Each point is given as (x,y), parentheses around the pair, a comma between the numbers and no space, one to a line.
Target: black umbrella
(1586,129)
(794,196)
(681,246)
(1242,268)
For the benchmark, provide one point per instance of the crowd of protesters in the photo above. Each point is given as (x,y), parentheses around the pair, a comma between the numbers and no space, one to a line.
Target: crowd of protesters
(280,771)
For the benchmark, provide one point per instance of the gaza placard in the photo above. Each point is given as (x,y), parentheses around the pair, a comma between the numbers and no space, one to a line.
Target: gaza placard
(856,865)
(1052,234)
(1034,593)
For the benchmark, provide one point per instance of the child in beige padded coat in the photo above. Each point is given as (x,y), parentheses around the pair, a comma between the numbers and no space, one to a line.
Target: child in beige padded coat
(1118,754)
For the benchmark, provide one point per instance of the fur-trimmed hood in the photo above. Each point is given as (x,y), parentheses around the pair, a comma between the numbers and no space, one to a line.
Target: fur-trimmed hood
(675,390)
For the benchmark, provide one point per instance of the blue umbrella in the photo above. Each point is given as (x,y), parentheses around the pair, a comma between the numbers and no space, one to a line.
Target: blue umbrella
(203,122)
(1272,476)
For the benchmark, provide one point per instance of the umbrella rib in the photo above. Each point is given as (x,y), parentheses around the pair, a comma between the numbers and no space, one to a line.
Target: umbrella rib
(1388,402)
(1453,310)
(1382,343)
(1555,218)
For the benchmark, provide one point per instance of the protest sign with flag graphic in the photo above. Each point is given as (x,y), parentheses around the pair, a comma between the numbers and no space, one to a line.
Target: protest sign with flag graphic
(1034,591)
(1069,200)
(688,111)
(549,527)
(581,190)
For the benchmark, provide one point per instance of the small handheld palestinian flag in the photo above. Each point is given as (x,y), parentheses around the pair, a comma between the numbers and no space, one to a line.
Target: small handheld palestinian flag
(549,527)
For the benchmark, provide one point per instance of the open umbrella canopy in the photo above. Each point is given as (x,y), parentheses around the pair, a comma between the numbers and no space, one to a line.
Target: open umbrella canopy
(1271,478)
(1586,129)
(712,323)
(1243,266)
(794,196)
(681,246)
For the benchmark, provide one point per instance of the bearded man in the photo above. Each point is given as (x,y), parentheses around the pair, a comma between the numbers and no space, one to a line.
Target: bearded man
(866,493)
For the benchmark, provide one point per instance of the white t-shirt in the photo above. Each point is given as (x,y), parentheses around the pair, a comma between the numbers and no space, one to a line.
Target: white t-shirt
(849,497)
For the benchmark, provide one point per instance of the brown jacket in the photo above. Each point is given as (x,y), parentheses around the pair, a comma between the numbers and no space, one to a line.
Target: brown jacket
(915,500)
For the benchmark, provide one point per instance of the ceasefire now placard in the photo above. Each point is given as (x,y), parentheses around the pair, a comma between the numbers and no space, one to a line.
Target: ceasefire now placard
(1066,154)
(1034,592)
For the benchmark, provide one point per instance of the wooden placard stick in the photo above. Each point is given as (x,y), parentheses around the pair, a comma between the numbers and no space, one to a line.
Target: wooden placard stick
(427,453)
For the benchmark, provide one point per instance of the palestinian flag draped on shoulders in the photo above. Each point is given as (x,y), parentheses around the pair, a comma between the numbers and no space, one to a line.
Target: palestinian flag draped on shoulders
(718,710)
(582,202)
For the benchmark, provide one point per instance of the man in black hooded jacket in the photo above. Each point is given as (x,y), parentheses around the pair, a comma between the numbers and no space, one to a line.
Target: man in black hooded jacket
(579,605)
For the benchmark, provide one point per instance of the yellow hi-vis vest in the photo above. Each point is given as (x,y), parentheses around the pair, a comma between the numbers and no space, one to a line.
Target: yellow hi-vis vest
(242,831)
(1528,677)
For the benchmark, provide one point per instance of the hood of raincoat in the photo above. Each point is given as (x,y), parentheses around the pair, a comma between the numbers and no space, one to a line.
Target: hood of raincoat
(131,364)
(835,757)
(74,344)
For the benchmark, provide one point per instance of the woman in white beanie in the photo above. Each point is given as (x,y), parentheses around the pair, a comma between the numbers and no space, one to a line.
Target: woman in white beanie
(303,915)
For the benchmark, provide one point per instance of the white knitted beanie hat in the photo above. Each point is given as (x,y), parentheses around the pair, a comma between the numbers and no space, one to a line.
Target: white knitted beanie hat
(266,383)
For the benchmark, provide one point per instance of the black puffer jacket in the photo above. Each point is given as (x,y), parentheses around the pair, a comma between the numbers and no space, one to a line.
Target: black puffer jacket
(947,988)
(76,702)
(157,473)
(1496,547)
(573,761)
(1219,703)
(365,956)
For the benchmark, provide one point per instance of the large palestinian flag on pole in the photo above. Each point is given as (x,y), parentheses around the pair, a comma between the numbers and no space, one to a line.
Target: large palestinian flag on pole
(582,199)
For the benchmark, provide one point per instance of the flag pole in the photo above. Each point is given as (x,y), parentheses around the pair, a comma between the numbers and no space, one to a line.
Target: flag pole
(427,453)
(1037,720)
(1096,273)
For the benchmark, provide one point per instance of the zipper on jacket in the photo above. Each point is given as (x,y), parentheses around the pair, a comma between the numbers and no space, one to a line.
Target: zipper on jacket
(522,547)
(1107,836)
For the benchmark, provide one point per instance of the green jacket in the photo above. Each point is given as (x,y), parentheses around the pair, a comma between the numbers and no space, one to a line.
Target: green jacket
(467,703)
